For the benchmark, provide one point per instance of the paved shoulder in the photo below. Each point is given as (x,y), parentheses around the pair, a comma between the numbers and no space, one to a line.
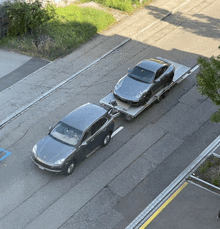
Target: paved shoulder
(15,67)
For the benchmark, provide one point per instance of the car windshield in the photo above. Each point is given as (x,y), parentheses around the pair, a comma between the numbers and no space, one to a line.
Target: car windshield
(66,134)
(142,75)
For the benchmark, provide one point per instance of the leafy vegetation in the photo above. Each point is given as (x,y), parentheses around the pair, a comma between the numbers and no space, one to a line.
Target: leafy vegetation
(208,80)
(57,33)
(26,17)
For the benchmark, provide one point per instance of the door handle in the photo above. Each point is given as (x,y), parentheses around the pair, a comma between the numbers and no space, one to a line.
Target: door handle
(104,129)
(92,139)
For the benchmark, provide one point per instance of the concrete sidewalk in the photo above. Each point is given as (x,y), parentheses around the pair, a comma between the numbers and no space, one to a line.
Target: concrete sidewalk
(187,206)
(193,208)
(15,98)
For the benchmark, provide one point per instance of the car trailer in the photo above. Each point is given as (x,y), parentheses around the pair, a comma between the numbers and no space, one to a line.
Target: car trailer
(117,106)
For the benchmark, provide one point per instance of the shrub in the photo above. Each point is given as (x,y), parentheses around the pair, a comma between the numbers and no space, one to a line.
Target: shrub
(26,17)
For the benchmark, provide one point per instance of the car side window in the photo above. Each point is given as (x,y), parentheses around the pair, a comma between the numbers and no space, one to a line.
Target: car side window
(98,125)
(164,69)
(158,73)
(87,135)
(94,128)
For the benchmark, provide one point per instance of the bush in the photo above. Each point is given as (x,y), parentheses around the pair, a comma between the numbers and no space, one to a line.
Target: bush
(26,17)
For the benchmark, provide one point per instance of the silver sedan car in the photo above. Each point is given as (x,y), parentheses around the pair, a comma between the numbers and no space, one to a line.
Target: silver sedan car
(73,139)
(143,81)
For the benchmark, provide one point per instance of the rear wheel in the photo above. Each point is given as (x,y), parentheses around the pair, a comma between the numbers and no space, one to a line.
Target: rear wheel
(106,139)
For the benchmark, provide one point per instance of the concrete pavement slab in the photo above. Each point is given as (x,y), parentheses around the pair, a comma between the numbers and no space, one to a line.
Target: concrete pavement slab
(131,176)
(163,148)
(183,120)
(192,98)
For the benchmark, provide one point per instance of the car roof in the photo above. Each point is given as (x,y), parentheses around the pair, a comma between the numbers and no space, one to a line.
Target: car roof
(84,116)
(152,64)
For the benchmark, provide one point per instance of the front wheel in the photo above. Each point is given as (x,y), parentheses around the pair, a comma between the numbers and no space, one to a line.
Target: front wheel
(70,168)
(106,139)
(145,98)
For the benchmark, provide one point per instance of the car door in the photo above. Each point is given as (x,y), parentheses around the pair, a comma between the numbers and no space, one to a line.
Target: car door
(94,136)
(160,79)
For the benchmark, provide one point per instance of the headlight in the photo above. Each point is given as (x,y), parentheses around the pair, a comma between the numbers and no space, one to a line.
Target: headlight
(139,95)
(60,161)
(34,150)
(118,85)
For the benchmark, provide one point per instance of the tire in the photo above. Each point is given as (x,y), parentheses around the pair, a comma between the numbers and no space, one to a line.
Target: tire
(129,118)
(146,98)
(70,168)
(106,139)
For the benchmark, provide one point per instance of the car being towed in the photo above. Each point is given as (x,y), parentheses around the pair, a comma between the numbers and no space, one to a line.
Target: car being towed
(144,80)
(73,139)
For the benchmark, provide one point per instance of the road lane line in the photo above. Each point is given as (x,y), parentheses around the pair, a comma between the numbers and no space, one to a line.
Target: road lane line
(116,131)
(164,205)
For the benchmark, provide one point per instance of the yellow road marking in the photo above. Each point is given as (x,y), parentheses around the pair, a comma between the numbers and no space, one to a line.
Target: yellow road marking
(163,206)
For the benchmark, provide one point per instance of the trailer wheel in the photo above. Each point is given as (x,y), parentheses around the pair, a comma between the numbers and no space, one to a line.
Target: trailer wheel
(165,94)
(128,118)
(160,98)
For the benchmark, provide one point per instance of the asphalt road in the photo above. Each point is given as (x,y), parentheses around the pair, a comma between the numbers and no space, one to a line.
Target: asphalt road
(116,183)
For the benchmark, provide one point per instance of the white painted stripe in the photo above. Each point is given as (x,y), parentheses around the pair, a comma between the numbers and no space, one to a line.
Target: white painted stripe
(195,68)
(118,130)
(163,196)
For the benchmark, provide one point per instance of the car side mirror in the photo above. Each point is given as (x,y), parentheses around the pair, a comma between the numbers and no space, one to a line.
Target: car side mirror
(84,143)
(129,70)
(50,129)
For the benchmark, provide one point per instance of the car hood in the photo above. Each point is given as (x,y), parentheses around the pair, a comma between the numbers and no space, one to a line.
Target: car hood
(50,150)
(128,88)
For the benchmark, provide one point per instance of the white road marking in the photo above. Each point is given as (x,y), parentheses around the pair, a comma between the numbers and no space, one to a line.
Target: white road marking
(116,131)
(195,68)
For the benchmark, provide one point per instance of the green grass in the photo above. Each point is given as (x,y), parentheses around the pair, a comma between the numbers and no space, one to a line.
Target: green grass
(72,26)
(123,5)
